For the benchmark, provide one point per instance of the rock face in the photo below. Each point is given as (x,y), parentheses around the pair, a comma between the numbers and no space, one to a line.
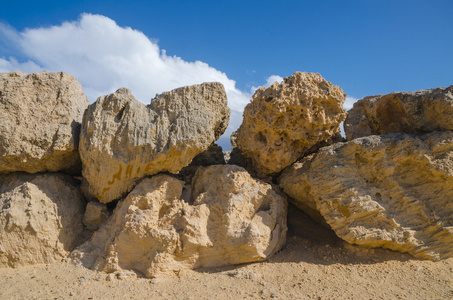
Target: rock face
(284,121)
(40,217)
(122,140)
(417,112)
(212,156)
(40,117)
(95,214)
(393,191)
(225,217)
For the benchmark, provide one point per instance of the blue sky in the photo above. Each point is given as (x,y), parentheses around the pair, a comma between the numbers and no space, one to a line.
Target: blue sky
(366,47)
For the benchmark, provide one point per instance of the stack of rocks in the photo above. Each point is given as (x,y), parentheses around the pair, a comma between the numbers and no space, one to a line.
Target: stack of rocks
(119,185)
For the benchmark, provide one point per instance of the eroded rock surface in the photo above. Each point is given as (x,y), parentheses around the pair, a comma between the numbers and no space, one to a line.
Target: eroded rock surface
(122,140)
(393,191)
(225,217)
(40,117)
(285,120)
(40,218)
(416,112)
(95,215)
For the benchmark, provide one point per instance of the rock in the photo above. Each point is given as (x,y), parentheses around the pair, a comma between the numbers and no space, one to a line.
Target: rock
(122,140)
(40,217)
(212,156)
(95,214)
(40,117)
(417,113)
(392,191)
(225,217)
(284,121)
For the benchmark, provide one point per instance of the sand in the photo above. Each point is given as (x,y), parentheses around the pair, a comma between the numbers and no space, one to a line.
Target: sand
(314,264)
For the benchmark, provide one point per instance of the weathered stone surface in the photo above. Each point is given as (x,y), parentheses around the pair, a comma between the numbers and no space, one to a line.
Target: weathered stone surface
(212,156)
(393,191)
(40,218)
(416,112)
(284,121)
(95,214)
(225,217)
(40,117)
(122,140)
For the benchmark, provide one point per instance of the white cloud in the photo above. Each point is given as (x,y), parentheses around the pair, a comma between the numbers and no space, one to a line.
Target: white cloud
(104,57)
(272,79)
(269,81)
(13,65)
(349,102)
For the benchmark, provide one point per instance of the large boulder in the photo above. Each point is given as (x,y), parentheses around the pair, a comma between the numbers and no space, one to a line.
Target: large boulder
(40,218)
(40,117)
(225,217)
(393,191)
(286,120)
(416,112)
(122,140)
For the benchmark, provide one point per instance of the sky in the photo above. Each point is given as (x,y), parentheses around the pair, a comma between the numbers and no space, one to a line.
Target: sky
(367,47)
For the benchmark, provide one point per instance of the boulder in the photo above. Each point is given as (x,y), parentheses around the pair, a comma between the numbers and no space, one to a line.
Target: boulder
(212,156)
(40,117)
(95,214)
(286,120)
(122,140)
(40,218)
(417,113)
(225,217)
(393,191)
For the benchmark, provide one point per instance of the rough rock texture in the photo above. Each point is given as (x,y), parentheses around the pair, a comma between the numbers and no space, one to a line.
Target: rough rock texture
(122,140)
(95,214)
(393,191)
(416,112)
(226,217)
(40,218)
(40,117)
(212,156)
(284,121)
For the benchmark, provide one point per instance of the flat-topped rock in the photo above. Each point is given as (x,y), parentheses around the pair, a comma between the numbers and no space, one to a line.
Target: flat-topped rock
(416,112)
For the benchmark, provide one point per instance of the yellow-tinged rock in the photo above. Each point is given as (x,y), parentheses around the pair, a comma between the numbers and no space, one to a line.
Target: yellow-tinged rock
(416,112)
(284,121)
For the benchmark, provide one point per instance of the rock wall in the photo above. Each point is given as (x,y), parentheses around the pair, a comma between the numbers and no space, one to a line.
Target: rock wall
(391,191)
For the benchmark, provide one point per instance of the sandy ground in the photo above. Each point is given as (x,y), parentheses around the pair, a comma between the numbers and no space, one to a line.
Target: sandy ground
(314,264)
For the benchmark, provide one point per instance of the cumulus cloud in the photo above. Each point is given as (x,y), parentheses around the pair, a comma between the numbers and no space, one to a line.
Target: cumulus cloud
(104,57)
